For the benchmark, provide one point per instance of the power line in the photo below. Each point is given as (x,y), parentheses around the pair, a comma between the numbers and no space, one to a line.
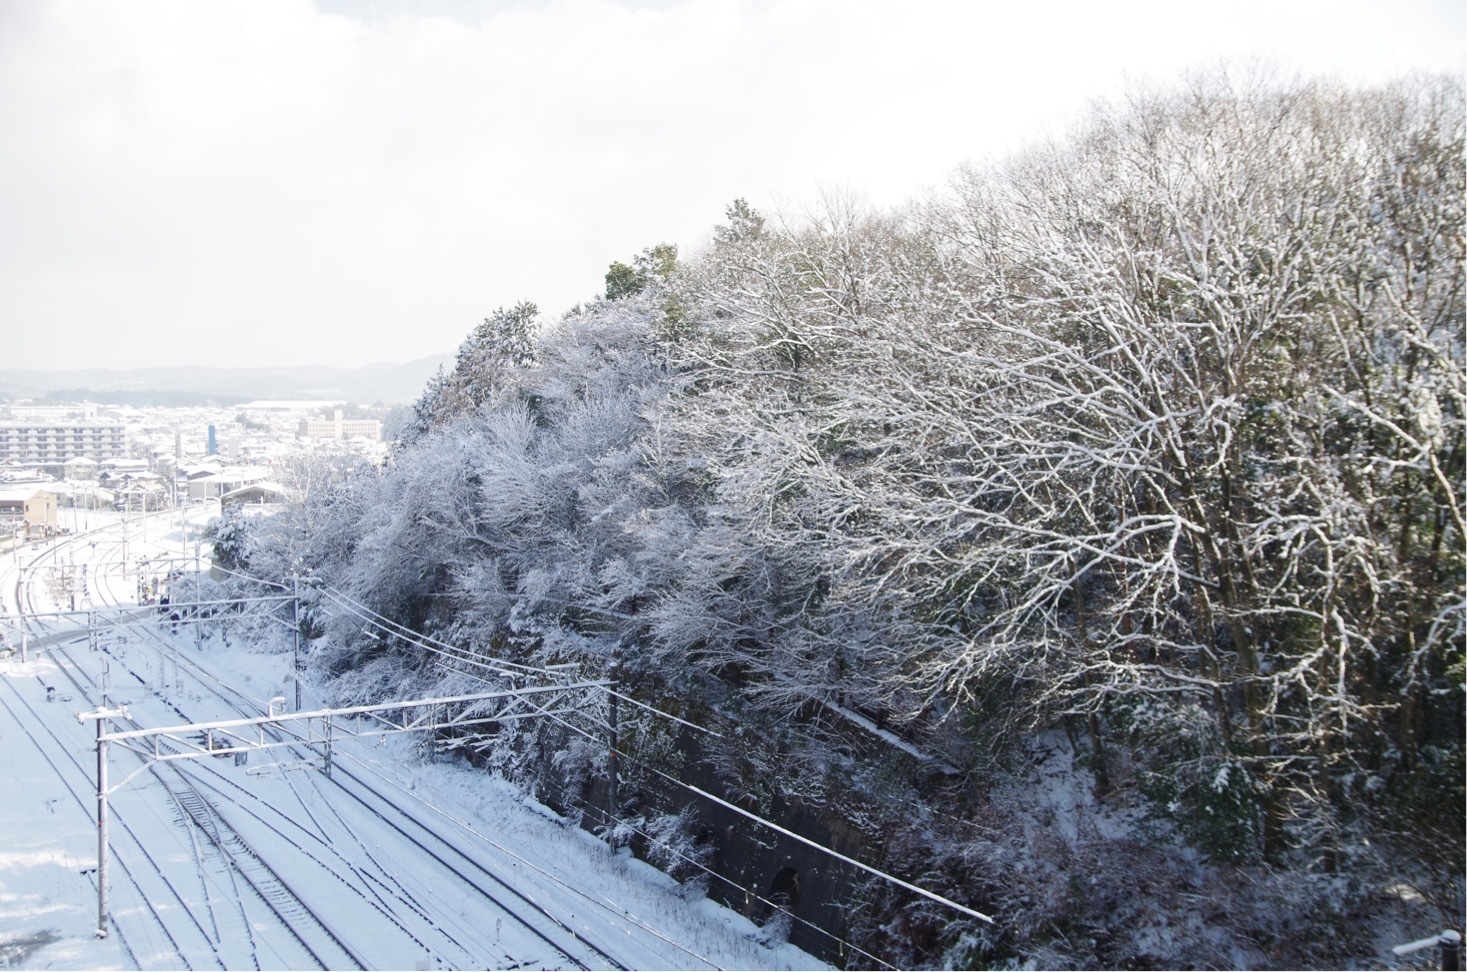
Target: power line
(419,638)
(531,865)
(748,892)
(454,653)
(964,909)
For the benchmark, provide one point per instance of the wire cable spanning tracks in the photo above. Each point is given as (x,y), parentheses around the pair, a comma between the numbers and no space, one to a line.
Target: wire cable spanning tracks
(321,727)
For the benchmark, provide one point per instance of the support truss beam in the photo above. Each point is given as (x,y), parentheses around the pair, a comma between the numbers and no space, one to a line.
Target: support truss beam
(364,721)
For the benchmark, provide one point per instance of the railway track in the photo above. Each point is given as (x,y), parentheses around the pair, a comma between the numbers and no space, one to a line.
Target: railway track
(222,852)
(218,848)
(175,914)
(385,886)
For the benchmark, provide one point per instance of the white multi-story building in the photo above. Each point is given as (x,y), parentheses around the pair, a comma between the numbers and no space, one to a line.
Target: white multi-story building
(55,442)
(83,412)
(341,428)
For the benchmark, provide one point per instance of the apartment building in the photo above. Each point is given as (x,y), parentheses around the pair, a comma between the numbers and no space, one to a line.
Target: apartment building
(54,442)
(340,428)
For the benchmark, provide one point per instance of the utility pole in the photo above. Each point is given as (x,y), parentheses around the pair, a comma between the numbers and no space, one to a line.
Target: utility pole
(198,600)
(101,716)
(326,755)
(295,618)
(126,509)
(613,769)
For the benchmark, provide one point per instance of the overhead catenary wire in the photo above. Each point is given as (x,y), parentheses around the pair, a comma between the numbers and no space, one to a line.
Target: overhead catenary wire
(619,915)
(665,715)
(748,892)
(454,653)
(932,895)
(493,665)
(418,638)
(556,879)
(444,649)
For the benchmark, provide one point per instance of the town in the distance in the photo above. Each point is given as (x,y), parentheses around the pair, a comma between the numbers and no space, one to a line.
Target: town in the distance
(59,461)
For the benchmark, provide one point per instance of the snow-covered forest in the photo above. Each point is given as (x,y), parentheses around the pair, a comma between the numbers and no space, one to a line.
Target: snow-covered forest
(1086,537)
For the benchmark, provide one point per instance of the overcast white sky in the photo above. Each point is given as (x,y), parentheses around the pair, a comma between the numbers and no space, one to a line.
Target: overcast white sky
(281,182)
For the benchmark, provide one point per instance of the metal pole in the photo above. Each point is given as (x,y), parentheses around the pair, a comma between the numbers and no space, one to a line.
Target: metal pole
(1451,941)
(101,715)
(198,599)
(101,828)
(328,747)
(613,770)
(295,617)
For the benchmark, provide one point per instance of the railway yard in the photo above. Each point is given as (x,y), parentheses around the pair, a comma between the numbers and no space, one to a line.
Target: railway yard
(259,859)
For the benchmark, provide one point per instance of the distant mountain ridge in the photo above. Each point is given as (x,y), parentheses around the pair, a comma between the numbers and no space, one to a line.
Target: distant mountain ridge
(389,384)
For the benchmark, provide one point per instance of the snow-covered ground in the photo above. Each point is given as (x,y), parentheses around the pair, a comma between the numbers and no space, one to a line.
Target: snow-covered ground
(401,863)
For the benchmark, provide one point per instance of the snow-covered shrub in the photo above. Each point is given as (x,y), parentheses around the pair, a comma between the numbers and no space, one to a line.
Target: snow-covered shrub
(680,846)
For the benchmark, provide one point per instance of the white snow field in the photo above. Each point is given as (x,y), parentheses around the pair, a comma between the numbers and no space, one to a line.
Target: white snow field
(262,861)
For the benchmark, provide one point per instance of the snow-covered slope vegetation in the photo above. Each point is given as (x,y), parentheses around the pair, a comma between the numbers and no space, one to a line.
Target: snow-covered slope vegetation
(1086,540)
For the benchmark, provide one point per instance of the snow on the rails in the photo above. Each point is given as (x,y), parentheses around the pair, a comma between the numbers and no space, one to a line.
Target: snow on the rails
(48,897)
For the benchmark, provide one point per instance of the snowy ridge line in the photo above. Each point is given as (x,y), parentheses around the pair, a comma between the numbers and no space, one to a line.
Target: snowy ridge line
(611,818)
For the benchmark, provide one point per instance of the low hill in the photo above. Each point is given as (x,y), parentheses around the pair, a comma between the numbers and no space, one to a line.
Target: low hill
(386,383)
